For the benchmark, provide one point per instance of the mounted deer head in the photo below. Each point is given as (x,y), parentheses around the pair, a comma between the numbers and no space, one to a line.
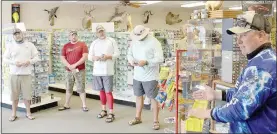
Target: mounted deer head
(87,20)
(146,15)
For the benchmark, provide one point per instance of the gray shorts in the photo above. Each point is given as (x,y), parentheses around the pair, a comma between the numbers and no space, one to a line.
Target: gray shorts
(103,83)
(148,87)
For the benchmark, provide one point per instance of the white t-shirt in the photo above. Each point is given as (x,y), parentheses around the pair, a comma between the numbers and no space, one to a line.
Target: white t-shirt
(107,46)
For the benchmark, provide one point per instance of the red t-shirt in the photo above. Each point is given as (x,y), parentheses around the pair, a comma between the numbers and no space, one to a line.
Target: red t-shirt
(74,52)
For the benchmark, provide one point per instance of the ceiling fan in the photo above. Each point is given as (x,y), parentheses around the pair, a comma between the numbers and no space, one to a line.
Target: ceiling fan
(132,4)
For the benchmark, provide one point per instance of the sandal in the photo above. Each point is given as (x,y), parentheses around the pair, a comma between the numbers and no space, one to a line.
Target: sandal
(63,108)
(30,117)
(156,125)
(110,118)
(12,118)
(102,114)
(85,109)
(135,121)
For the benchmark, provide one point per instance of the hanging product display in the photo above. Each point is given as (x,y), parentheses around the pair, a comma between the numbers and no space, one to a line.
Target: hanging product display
(169,39)
(195,66)
(59,40)
(121,73)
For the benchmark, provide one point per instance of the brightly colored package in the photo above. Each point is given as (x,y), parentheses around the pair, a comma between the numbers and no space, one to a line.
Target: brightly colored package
(195,124)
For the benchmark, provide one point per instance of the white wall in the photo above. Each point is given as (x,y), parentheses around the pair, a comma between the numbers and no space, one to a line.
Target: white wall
(70,15)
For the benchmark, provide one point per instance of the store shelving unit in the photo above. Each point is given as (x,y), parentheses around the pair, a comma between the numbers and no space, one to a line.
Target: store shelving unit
(191,76)
(123,93)
(198,64)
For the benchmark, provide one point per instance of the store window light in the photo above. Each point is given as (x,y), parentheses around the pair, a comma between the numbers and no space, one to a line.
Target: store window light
(194,4)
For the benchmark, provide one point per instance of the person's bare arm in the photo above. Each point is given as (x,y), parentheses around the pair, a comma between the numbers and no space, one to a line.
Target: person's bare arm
(64,61)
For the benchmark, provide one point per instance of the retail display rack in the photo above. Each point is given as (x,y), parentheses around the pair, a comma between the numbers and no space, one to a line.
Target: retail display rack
(123,93)
(199,64)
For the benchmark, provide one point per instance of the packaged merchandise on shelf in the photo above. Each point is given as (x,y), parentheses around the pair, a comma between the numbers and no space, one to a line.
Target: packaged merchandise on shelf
(59,40)
(169,40)
(197,66)
(121,64)
(166,84)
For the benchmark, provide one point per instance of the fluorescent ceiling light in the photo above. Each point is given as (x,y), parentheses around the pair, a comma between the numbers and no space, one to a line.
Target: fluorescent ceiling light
(235,8)
(69,1)
(275,10)
(151,2)
(195,4)
(147,2)
(218,21)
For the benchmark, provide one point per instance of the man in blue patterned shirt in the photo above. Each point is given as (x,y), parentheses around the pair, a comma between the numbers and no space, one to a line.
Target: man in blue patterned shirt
(251,105)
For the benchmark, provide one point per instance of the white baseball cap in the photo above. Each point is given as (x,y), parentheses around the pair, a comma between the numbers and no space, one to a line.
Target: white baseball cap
(99,28)
(139,32)
(250,21)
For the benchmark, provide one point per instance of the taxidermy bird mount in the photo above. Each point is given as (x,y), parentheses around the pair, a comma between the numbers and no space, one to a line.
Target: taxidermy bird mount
(172,18)
(117,18)
(87,20)
(213,5)
(146,15)
(52,14)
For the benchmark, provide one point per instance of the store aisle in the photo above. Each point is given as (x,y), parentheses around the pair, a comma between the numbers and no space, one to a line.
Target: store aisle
(76,121)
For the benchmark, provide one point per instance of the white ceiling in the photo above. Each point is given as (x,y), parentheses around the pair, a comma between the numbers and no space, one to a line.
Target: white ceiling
(165,4)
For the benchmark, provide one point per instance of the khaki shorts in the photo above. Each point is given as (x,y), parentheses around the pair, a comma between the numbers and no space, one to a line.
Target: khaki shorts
(79,77)
(21,83)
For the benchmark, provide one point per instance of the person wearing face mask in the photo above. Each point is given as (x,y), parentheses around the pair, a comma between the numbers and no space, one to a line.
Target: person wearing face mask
(74,55)
(251,105)
(103,52)
(20,56)
(145,54)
